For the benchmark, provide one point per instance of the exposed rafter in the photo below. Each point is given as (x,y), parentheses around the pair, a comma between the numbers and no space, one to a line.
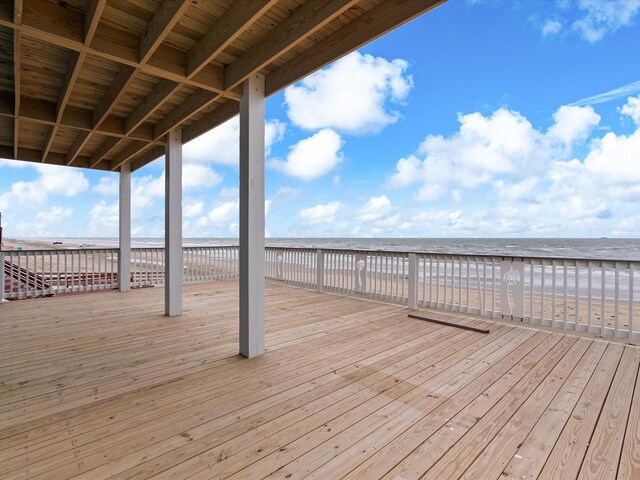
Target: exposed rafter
(299,25)
(128,153)
(80,142)
(150,104)
(211,120)
(44,112)
(160,25)
(65,28)
(91,19)
(103,150)
(31,155)
(17,47)
(240,15)
(379,20)
(159,51)
(186,109)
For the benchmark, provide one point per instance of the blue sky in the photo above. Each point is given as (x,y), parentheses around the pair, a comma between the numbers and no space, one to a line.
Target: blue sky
(479,119)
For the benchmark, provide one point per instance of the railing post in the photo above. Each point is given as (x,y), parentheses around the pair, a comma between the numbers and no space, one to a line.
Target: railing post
(319,270)
(413,281)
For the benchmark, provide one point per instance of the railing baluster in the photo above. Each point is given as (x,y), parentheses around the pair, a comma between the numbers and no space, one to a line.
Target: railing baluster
(564,288)
(468,275)
(553,293)
(603,297)
(616,311)
(631,274)
(493,287)
(589,295)
(577,297)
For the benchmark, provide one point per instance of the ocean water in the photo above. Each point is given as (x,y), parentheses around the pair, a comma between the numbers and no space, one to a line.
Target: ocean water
(578,248)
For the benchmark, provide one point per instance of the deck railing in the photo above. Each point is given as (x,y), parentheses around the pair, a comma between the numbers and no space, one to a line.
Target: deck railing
(598,296)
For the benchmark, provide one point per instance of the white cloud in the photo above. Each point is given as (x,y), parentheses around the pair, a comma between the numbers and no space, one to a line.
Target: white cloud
(199,176)
(374,209)
(573,123)
(551,27)
(221,145)
(223,213)
(503,145)
(273,133)
(312,157)
(615,159)
(48,223)
(610,95)
(602,17)
(632,109)
(285,194)
(104,219)
(107,186)
(62,180)
(351,96)
(52,181)
(192,208)
(320,213)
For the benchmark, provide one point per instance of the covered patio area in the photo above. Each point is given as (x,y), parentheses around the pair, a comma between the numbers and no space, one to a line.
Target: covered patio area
(103,386)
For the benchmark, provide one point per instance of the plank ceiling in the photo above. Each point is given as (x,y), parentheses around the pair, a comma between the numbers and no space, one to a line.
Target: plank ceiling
(97,83)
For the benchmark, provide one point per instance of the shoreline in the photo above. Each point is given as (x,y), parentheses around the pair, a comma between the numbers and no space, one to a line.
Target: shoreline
(12,244)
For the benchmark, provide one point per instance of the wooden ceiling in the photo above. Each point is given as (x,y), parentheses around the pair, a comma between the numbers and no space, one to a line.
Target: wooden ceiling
(97,83)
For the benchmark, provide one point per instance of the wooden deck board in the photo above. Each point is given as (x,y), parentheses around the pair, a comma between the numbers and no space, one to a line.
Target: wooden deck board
(104,386)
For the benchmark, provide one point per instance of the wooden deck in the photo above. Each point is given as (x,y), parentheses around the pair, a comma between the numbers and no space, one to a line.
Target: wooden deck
(103,386)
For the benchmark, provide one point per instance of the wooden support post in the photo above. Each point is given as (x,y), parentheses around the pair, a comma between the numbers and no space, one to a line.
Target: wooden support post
(173,224)
(413,281)
(124,256)
(252,217)
(319,270)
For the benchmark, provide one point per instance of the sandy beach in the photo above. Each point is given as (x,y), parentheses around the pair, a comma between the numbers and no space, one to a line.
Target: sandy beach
(12,244)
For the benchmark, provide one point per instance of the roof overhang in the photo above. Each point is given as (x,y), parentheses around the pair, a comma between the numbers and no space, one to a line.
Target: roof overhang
(97,83)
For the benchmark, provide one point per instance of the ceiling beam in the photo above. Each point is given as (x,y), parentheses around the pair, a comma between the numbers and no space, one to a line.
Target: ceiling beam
(43,112)
(306,20)
(91,18)
(128,153)
(16,90)
(162,22)
(372,24)
(58,25)
(103,150)
(113,94)
(146,158)
(211,120)
(17,49)
(184,111)
(160,93)
(81,140)
(30,155)
(240,15)
(53,23)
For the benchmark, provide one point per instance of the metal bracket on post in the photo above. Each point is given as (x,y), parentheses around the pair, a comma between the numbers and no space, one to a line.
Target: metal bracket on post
(319,270)
(413,281)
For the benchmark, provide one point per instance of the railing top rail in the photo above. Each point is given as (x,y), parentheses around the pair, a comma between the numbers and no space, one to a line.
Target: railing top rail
(350,250)
(60,250)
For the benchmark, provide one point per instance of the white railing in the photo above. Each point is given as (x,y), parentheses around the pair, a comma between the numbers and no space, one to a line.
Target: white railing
(598,296)
(199,263)
(38,273)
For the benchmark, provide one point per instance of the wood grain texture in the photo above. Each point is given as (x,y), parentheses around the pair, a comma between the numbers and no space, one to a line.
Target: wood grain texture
(104,386)
(115,68)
